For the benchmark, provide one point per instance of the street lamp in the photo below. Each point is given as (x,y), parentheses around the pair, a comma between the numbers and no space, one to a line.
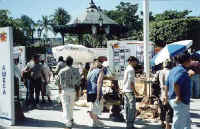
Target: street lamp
(100,21)
(32,31)
(39,31)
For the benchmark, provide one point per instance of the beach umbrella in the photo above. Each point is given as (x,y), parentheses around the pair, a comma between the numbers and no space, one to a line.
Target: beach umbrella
(171,50)
(198,52)
(79,53)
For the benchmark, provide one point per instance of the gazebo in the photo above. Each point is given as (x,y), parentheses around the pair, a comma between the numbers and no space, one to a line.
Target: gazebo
(92,21)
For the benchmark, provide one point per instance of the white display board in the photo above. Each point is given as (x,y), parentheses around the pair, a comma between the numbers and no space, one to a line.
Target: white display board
(20,51)
(6,77)
(120,51)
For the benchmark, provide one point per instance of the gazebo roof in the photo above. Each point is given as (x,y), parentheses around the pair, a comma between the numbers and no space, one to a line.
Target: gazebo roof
(92,16)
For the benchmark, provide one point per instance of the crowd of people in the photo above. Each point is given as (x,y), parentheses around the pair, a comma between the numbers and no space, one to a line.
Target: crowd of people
(178,82)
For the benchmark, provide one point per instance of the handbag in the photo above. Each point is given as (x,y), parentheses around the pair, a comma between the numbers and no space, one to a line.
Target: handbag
(97,107)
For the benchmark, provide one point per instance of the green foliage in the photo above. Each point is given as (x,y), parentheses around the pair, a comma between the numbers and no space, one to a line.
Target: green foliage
(61,17)
(126,14)
(172,14)
(164,32)
(6,20)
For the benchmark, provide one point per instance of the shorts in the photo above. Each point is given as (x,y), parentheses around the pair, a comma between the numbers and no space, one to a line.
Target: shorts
(91,97)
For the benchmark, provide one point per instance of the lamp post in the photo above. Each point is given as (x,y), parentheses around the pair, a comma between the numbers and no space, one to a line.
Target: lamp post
(39,31)
(146,38)
(101,29)
(32,31)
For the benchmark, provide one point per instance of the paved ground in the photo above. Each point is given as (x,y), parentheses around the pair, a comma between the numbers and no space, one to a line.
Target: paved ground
(49,116)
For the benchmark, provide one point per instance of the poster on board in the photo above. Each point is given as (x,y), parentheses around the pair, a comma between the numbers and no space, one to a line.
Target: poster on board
(6,77)
(21,52)
(120,51)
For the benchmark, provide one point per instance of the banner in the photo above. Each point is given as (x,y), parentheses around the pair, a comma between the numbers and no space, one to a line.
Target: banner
(6,77)
(20,52)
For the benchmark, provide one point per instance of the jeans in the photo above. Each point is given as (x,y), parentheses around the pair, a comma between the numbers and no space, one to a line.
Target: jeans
(67,99)
(130,109)
(27,90)
(181,118)
(35,87)
(195,86)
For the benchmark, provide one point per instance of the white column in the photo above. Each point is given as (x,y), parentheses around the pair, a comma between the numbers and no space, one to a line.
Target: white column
(146,37)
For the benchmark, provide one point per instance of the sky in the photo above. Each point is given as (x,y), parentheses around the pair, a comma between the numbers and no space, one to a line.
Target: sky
(38,8)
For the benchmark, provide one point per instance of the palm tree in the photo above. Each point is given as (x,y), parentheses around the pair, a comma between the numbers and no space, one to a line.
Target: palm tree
(45,25)
(28,26)
(61,17)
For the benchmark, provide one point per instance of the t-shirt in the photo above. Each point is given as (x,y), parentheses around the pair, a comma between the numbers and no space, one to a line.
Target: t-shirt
(163,75)
(69,77)
(178,75)
(59,66)
(92,79)
(129,78)
(46,72)
(37,71)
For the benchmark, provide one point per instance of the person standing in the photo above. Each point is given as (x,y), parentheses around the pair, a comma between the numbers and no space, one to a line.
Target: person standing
(195,79)
(166,110)
(178,87)
(94,92)
(37,73)
(61,64)
(68,80)
(19,115)
(45,87)
(130,92)
(26,75)
(84,77)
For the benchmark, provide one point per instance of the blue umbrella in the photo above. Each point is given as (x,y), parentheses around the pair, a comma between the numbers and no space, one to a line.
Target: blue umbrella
(171,50)
(198,52)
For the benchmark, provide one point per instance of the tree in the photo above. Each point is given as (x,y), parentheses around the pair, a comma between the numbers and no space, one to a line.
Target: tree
(61,17)
(27,25)
(172,14)
(168,31)
(4,18)
(126,14)
(45,25)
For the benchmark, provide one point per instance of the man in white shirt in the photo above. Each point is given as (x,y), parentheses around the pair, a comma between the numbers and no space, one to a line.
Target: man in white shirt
(130,92)
(68,81)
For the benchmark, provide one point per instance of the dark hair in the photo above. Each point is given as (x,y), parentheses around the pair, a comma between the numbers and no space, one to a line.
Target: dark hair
(87,66)
(60,58)
(168,65)
(132,58)
(42,61)
(95,60)
(69,61)
(183,58)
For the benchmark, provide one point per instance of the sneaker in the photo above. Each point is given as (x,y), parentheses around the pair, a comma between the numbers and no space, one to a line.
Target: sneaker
(98,124)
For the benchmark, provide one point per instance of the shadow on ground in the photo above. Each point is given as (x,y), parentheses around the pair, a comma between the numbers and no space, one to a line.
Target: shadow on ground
(197,124)
(195,115)
(29,122)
